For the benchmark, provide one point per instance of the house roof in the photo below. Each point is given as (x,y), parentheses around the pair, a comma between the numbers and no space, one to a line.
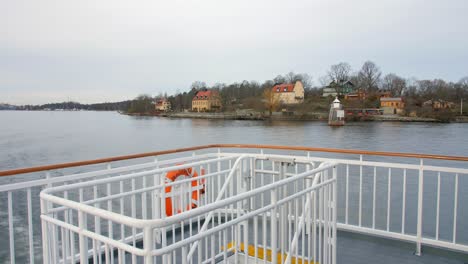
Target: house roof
(283,88)
(201,95)
(340,83)
(391,99)
(437,100)
(161,101)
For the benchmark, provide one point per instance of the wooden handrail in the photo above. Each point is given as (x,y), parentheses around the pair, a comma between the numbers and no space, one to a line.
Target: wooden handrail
(246,146)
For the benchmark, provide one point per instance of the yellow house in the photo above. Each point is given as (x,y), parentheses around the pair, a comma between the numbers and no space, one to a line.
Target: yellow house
(289,93)
(162,105)
(392,105)
(206,101)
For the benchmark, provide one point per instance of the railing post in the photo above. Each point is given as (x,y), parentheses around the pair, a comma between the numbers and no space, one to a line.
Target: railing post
(360,190)
(334,204)
(274,229)
(30,227)
(48,177)
(157,201)
(82,239)
(420,208)
(45,242)
(148,244)
(283,214)
(11,230)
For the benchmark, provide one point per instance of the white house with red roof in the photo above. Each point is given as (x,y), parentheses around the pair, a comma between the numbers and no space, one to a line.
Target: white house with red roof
(289,93)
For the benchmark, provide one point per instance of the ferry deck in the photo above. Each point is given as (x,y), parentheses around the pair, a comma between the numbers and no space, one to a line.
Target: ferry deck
(231,203)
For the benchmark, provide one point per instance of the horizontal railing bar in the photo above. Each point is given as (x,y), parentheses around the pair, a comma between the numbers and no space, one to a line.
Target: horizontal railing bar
(108,215)
(102,172)
(92,235)
(199,236)
(126,240)
(142,190)
(132,175)
(307,160)
(375,232)
(246,146)
(155,223)
(302,159)
(95,161)
(298,159)
(242,196)
(445,169)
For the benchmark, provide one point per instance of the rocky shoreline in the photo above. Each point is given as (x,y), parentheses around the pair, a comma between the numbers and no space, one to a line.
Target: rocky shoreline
(283,117)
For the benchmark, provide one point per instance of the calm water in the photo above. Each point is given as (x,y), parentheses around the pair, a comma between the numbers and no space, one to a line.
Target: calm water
(39,138)
(36,138)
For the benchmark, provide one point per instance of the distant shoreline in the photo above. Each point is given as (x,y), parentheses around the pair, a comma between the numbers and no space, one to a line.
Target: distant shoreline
(321,117)
(308,117)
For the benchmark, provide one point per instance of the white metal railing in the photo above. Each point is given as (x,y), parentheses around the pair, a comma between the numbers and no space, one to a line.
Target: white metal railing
(295,216)
(358,206)
(26,247)
(423,203)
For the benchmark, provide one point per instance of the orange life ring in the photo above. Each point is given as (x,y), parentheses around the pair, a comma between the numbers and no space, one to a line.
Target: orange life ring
(173,175)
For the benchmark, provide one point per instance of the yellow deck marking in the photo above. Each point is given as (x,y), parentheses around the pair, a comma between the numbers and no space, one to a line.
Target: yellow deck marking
(281,257)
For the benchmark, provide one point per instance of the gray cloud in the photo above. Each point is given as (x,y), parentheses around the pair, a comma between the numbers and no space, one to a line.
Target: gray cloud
(95,51)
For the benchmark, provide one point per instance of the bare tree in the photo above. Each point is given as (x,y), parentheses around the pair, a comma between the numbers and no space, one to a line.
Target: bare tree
(369,76)
(219,86)
(463,89)
(290,77)
(271,100)
(394,83)
(141,104)
(279,79)
(434,89)
(197,85)
(306,80)
(354,78)
(464,82)
(324,80)
(339,72)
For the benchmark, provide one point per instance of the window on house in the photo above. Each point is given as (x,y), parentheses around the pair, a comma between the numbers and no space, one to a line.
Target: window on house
(285,89)
(277,89)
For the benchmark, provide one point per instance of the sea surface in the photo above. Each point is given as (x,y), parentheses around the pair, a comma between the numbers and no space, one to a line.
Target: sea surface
(47,137)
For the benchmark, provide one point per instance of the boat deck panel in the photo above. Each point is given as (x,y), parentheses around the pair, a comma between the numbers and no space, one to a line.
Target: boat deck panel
(356,249)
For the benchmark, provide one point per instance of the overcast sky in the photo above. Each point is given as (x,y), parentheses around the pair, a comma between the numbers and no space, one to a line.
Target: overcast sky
(111,50)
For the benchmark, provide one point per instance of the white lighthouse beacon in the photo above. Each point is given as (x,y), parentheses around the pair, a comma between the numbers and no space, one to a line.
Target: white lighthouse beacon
(336,115)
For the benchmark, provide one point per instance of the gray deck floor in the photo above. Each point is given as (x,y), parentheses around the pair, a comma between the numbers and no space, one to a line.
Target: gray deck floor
(353,248)
(356,248)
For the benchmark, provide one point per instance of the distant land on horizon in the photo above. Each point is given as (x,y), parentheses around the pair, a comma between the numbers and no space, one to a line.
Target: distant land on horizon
(107,106)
